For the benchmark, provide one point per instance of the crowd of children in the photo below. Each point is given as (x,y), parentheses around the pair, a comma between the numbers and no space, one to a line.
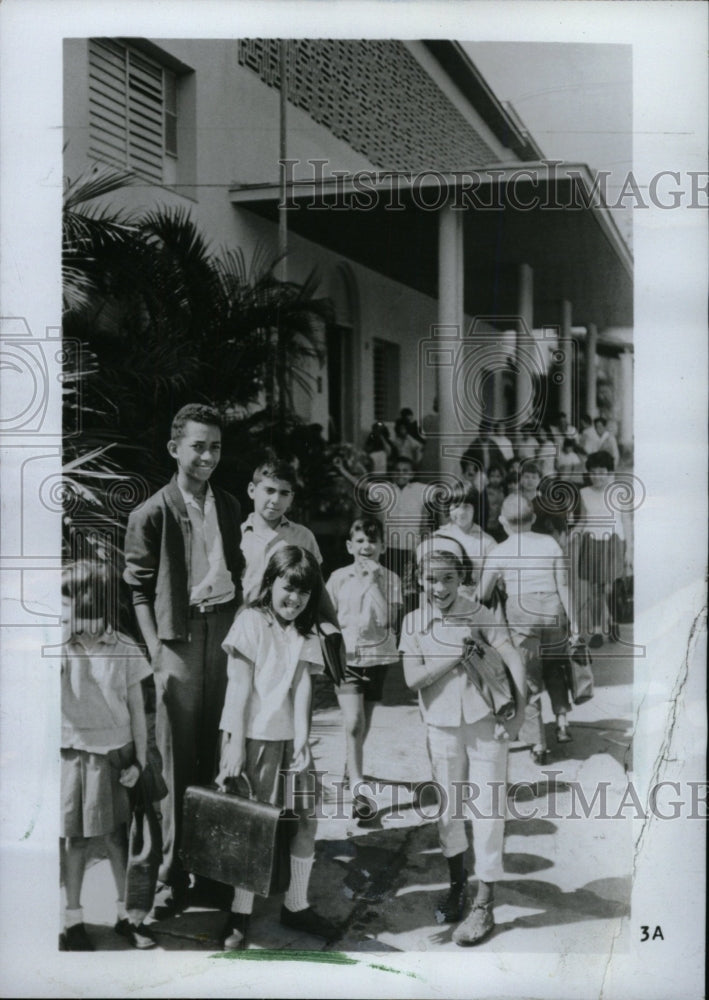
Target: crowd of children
(229,611)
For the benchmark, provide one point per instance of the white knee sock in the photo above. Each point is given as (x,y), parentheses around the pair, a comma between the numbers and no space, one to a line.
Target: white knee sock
(243,901)
(297,896)
(121,910)
(72,917)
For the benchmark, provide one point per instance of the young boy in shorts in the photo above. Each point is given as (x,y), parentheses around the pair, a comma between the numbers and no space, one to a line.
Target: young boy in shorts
(183,564)
(367,599)
(461,733)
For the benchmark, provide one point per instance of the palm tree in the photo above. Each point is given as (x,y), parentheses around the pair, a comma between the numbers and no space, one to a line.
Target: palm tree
(159,320)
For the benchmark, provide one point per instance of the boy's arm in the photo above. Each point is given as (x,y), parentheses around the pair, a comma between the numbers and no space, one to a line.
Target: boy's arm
(233,721)
(373,598)
(488,579)
(142,547)
(145,616)
(561,577)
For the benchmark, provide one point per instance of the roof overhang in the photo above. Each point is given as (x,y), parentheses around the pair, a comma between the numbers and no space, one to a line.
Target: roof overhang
(498,115)
(549,216)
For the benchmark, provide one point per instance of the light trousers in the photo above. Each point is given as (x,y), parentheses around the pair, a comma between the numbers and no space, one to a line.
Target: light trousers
(470,767)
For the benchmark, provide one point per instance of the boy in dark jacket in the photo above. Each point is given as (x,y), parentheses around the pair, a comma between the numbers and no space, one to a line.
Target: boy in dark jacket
(184,567)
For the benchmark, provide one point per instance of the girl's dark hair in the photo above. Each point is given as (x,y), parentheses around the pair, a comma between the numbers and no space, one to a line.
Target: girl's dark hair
(464,493)
(600,460)
(301,570)
(93,589)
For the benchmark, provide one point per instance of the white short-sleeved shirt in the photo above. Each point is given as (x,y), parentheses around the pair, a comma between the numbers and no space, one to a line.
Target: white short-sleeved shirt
(526,562)
(427,635)
(367,640)
(259,542)
(273,652)
(597,516)
(94,692)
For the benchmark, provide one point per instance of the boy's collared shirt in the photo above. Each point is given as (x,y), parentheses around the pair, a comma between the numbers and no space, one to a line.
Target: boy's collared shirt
(427,636)
(94,691)
(367,640)
(259,542)
(157,552)
(209,579)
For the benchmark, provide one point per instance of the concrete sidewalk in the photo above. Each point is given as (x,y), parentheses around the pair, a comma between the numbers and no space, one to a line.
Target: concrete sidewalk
(567,884)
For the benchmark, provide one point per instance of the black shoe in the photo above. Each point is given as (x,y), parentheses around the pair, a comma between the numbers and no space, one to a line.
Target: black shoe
(138,935)
(451,907)
(235,932)
(208,894)
(596,641)
(309,922)
(540,756)
(76,939)
(169,901)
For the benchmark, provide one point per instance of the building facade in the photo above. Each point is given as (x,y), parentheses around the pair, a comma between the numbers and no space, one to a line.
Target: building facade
(461,264)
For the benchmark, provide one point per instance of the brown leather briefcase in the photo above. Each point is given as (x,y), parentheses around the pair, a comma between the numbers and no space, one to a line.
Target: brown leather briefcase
(234,839)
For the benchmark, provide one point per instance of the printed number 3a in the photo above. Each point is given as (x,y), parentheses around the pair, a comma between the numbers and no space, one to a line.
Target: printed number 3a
(657,933)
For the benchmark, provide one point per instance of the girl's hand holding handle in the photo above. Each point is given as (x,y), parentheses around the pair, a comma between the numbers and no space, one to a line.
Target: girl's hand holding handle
(129,775)
(232,761)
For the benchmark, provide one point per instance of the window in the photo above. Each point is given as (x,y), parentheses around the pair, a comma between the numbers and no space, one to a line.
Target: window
(132,110)
(386,380)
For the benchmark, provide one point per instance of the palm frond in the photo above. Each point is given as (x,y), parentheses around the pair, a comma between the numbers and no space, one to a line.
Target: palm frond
(96,183)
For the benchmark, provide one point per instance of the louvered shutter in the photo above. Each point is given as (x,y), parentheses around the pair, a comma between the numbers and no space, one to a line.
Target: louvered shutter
(145,116)
(126,109)
(108,103)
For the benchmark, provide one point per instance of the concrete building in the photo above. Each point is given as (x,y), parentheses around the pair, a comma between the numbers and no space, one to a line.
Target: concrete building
(462,264)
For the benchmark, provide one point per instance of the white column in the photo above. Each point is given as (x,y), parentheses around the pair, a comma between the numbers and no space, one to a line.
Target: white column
(566,399)
(525,310)
(450,314)
(591,342)
(626,398)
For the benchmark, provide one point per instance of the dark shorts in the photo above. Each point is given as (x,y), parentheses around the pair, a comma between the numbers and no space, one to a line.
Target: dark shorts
(367,681)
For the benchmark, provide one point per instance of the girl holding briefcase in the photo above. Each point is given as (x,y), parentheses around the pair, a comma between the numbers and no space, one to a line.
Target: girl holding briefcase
(273,648)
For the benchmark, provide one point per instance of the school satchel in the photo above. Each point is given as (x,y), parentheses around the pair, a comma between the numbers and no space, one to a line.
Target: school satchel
(579,675)
(144,852)
(334,654)
(622,604)
(488,672)
(232,838)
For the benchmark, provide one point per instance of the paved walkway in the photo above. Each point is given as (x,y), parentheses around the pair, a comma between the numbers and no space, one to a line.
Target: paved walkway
(567,883)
